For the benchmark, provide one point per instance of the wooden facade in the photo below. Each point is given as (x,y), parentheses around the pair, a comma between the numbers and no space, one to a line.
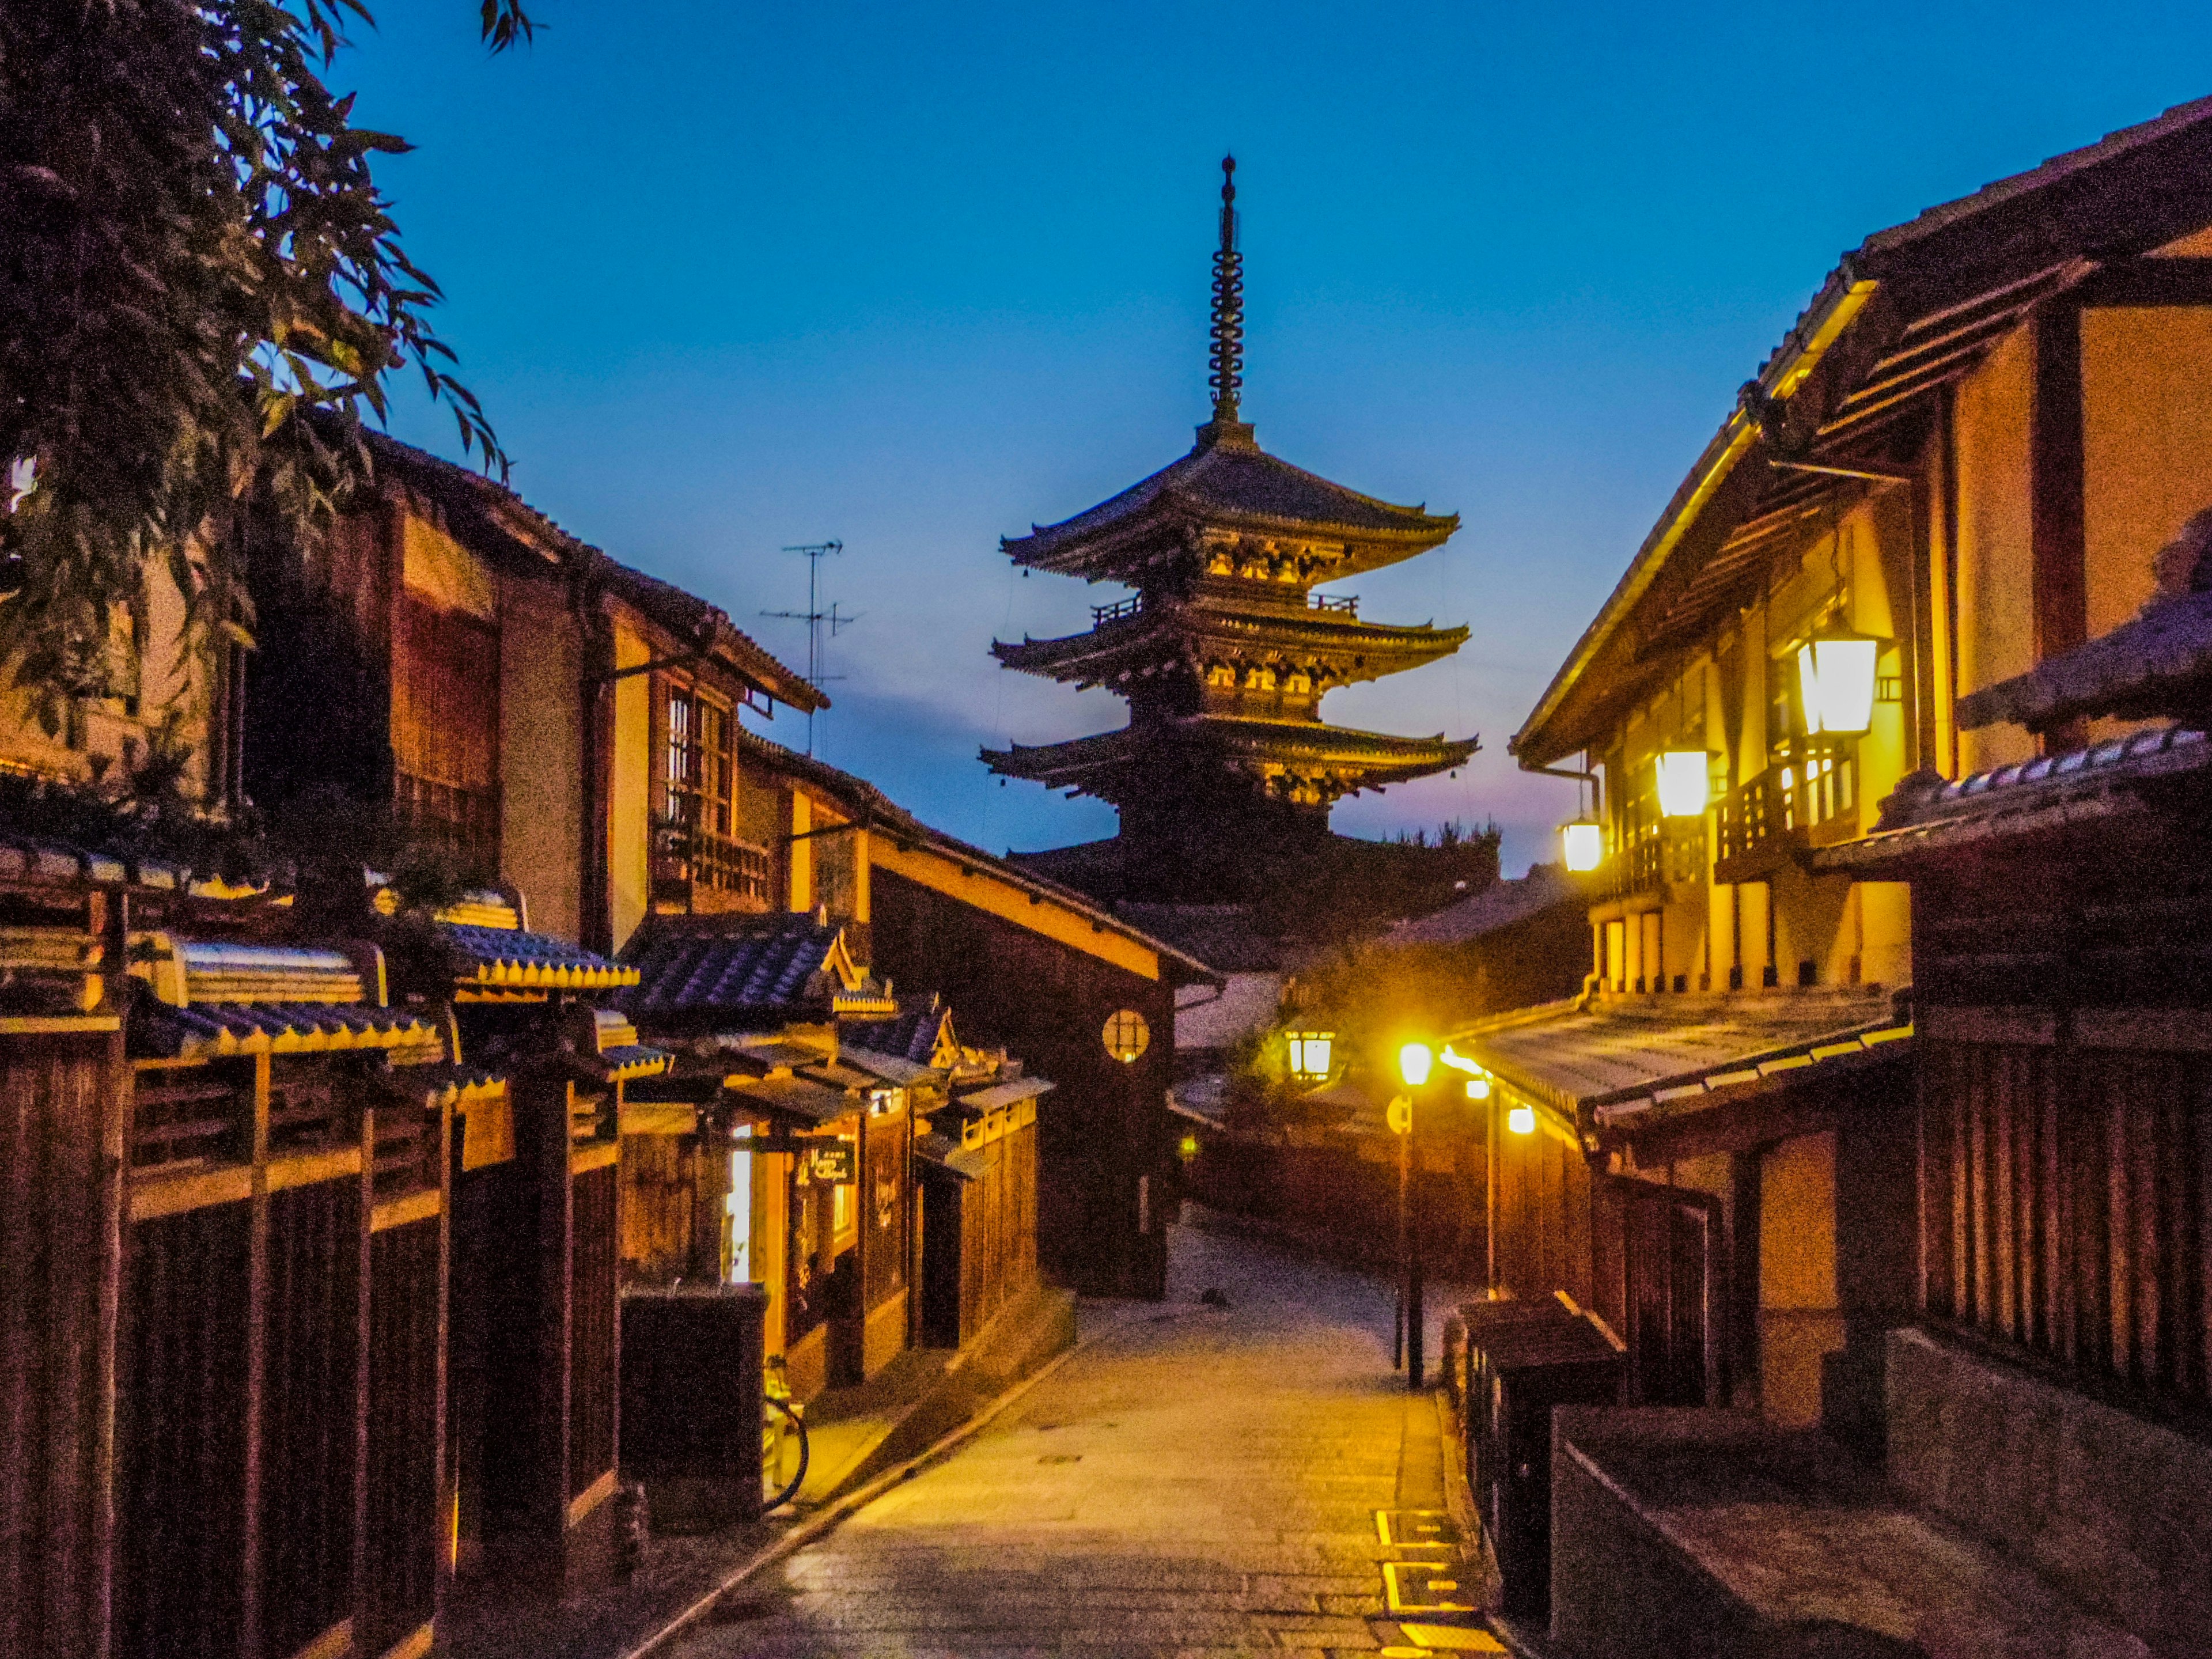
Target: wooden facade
(1966,456)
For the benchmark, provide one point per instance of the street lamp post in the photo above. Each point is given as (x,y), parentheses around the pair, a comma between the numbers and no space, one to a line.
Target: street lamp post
(1414,1061)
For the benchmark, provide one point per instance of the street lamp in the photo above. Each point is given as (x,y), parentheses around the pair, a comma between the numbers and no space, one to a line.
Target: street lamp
(1310,1053)
(1684,782)
(1415,1062)
(1583,845)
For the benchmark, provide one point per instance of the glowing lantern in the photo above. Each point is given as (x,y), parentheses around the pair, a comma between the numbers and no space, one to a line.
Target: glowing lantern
(1414,1060)
(1836,684)
(1478,1088)
(1522,1120)
(1584,844)
(1309,1054)
(1684,782)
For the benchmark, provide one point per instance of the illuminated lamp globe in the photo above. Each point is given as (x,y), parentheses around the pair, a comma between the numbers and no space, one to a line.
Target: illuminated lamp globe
(1414,1060)
(1684,782)
(1522,1120)
(1583,844)
(1836,684)
(1478,1088)
(1310,1054)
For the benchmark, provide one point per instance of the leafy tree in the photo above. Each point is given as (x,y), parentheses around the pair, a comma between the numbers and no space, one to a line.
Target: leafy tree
(201,293)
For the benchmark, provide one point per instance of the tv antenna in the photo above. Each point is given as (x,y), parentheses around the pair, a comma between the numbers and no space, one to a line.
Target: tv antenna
(817,619)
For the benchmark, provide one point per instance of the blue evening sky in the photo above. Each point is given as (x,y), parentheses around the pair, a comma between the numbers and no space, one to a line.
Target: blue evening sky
(730,276)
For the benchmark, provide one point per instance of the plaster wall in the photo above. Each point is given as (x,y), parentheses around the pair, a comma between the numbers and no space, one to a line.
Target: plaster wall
(1800,1317)
(1996,597)
(2146,445)
(630,883)
(541,761)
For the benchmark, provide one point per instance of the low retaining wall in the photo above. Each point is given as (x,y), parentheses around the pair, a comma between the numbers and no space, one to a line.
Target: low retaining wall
(2114,1508)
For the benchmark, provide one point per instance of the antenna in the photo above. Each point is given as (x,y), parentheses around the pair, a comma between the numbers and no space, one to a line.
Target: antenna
(815,618)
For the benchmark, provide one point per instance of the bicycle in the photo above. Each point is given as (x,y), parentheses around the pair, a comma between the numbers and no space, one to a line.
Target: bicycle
(784,1450)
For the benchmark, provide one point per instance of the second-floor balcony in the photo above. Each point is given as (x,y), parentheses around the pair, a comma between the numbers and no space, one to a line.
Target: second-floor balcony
(1811,800)
(695,869)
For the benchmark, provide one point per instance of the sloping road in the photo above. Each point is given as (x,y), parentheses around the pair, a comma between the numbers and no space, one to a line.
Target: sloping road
(1196,1480)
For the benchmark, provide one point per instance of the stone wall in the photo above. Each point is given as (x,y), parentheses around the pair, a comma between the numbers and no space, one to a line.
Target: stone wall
(2111,1506)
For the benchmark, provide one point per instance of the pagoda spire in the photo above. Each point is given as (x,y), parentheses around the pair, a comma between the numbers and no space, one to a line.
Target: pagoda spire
(1225,359)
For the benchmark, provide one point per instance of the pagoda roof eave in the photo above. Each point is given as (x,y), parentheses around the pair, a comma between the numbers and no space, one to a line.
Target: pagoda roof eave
(1233,737)
(1236,486)
(1185,634)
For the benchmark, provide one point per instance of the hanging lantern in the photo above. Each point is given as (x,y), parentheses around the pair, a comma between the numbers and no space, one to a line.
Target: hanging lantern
(1414,1062)
(1684,782)
(1522,1120)
(1310,1053)
(1478,1088)
(1583,842)
(1836,684)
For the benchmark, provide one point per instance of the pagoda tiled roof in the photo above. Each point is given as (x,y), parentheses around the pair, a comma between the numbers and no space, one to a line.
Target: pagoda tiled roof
(1177,629)
(1380,757)
(1236,484)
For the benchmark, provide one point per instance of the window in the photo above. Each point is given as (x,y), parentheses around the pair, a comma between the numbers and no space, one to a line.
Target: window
(699,770)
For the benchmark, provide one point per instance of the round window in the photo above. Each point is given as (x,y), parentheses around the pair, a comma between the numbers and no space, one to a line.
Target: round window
(1128,1036)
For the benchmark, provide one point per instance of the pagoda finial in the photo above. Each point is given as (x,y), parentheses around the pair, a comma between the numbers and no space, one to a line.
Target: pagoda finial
(1226,359)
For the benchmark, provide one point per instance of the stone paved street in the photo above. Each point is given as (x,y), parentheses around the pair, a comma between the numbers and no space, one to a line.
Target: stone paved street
(1196,1480)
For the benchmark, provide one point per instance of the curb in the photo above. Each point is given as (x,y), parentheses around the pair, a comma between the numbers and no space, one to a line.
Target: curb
(815,1525)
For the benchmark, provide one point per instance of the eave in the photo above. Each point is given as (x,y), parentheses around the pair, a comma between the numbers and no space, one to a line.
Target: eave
(1176,634)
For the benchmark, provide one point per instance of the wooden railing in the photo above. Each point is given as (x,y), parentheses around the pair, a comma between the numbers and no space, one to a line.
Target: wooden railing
(1343,603)
(1812,799)
(687,856)
(1102,614)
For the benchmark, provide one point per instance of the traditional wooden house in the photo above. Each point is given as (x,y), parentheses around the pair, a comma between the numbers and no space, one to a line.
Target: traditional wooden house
(1957,464)
(1867,711)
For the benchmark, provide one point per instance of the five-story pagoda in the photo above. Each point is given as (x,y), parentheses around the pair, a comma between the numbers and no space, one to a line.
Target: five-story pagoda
(1224,652)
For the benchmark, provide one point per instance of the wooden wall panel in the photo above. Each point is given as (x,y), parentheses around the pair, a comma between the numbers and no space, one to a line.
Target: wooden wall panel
(595,1329)
(311,1412)
(401,1572)
(181,1565)
(60,1207)
(2069,1206)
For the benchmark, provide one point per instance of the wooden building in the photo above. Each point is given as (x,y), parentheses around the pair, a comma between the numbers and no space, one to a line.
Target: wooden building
(1224,652)
(1959,461)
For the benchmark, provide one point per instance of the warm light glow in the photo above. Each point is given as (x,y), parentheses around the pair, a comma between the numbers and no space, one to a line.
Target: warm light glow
(1684,782)
(1414,1060)
(1835,682)
(1522,1120)
(1584,844)
(1478,1088)
(1458,1062)
(1188,1148)
(1310,1053)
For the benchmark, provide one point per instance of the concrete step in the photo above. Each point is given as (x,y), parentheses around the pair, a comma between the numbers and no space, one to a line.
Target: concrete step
(1713,1534)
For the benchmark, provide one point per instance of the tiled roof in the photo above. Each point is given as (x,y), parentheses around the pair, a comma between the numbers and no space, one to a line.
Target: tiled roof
(634,1059)
(945,1153)
(689,616)
(36,860)
(1233,481)
(220,970)
(910,1035)
(1614,1056)
(2037,231)
(441,1082)
(2052,792)
(886,1068)
(733,970)
(2157,665)
(217,1030)
(795,1096)
(1499,906)
(1000,1096)
(1294,742)
(510,958)
(1224,937)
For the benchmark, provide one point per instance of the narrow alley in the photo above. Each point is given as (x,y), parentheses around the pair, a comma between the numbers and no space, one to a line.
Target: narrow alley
(1196,1479)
